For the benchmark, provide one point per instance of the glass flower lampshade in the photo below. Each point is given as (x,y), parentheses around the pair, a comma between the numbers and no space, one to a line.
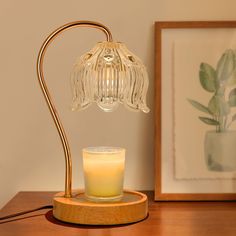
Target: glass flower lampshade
(109,74)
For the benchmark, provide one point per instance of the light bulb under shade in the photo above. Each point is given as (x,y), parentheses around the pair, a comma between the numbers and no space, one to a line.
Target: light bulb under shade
(109,74)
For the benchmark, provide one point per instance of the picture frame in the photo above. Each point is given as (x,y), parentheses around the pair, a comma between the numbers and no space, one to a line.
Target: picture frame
(179,46)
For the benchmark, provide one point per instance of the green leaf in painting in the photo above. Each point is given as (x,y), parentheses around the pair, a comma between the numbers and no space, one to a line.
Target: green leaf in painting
(207,76)
(226,65)
(218,106)
(232,79)
(209,121)
(199,106)
(232,98)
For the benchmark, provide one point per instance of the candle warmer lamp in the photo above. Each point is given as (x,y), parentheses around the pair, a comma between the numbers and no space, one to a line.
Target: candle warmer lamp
(108,74)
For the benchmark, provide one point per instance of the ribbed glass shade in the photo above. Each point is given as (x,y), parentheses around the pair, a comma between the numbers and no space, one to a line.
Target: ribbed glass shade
(109,74)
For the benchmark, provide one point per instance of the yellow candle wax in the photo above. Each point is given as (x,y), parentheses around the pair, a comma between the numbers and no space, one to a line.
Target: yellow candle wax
(103,172)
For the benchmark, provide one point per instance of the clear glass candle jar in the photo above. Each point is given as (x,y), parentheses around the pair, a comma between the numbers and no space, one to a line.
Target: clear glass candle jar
(104,173)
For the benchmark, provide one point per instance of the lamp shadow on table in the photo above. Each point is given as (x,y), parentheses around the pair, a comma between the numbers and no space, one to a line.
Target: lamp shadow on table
(49,217)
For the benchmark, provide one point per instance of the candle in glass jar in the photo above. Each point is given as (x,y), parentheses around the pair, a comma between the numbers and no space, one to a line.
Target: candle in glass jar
(104,172)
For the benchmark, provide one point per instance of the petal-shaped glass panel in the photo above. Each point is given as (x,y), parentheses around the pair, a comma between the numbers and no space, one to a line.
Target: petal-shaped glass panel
(109,74)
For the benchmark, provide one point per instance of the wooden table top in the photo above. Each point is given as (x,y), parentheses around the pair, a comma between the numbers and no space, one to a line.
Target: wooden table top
(165,218)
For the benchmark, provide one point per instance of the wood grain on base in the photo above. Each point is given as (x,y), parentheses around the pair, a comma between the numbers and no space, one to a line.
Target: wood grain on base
(132,208)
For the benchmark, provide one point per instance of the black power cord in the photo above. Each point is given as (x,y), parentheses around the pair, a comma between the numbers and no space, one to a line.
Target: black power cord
(25,212)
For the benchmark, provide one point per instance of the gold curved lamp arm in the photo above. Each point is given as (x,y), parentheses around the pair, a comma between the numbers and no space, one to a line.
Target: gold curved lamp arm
(55,116)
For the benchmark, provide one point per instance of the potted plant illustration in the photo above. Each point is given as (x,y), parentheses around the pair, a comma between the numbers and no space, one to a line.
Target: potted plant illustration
(220,143)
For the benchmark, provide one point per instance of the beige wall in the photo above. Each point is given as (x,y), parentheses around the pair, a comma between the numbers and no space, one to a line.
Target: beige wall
(31,156)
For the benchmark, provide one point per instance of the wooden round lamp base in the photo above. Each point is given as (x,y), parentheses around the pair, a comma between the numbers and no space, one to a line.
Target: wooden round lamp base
(131,208)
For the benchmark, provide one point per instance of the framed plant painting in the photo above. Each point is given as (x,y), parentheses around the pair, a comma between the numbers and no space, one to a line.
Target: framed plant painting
(195,110)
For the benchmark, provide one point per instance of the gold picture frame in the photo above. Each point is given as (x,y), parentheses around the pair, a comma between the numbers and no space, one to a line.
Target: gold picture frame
(161,64)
